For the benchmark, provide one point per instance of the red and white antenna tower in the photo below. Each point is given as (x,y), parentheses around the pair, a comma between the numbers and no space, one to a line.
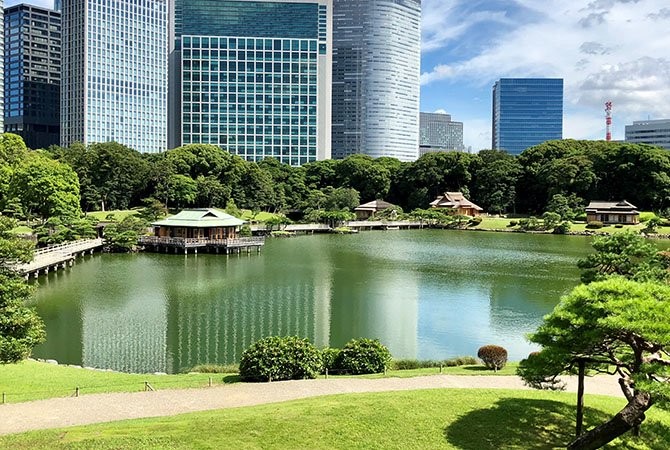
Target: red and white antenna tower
(608,121)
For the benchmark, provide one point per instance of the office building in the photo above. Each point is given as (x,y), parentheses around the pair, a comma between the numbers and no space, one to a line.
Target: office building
(526,112)
(438,133)
(32,74)
(114,67)
(376,71)
(253,77)
(654,132)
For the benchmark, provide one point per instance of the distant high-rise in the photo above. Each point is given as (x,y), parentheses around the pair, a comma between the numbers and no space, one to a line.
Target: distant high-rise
(32,74)
(376,71)
(654,132)
(526,112)
(253,77)
(437,132)
(114,76)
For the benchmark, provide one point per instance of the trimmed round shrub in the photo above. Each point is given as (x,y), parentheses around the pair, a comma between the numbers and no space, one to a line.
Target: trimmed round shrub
(329,357)
(361,356)
(595,224)
(280,358)
(493,356)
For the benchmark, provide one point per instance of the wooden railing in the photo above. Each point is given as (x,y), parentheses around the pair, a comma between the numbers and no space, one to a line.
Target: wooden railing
(201,242)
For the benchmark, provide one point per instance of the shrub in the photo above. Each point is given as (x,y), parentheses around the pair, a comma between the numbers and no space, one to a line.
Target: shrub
(595,224)
(493,356)
(409,364)
(513,223)
(361,356)
(475,221)
(562,228)
(581,217)
(245,231)
(280,358)
(618,225)
(647,215)
(529,224)
(329,357)
(215,368)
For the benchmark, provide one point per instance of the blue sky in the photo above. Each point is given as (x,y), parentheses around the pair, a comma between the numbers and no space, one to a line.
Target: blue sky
(616,50)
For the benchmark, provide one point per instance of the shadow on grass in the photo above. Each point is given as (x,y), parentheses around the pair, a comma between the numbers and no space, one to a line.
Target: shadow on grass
(539,424)
(232,379)
(478,369)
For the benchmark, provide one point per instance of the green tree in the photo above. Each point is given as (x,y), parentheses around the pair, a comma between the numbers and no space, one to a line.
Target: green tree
(341,199)
(360,172)
(182,189)
(20,327)
(122,236)
(616,326)
(627,254)
(550,220)
(45,187)
(495,179)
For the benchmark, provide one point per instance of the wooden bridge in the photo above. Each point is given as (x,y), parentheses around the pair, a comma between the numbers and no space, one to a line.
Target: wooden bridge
(57,256)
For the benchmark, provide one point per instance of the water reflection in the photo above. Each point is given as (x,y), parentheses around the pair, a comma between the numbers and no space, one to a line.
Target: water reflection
(424,294)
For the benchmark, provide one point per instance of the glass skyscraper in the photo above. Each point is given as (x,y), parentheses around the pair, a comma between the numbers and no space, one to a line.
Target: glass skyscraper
(526,112)
(253,77)
(437,132)
(114,76)
(376,70)
(32,74)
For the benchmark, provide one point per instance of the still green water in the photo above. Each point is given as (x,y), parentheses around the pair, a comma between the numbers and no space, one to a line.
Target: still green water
(426,294)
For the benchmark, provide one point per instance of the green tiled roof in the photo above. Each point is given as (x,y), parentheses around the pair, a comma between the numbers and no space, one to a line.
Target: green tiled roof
(200,218)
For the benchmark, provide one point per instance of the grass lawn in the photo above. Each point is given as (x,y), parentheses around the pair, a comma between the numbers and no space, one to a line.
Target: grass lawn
(22,229)
(118,214)
(470,419)
(262,216)
(32,380)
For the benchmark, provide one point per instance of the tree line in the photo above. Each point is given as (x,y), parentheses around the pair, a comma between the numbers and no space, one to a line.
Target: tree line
(555,175)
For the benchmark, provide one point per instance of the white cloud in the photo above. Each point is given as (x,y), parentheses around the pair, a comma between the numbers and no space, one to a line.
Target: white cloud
(609,50)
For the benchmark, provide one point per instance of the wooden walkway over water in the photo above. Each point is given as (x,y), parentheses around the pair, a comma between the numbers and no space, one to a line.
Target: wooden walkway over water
(232,245)
(57,256)
(354,225)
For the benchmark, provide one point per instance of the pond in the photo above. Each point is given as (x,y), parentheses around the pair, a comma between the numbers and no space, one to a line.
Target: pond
(426,294)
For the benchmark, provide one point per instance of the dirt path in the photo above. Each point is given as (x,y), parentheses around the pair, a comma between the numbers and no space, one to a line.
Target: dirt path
(96,408)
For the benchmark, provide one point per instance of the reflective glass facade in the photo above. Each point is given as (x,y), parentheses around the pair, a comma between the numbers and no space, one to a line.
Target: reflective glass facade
(654,132)
(376,69)
(114,73)
(526,112)
(253,77)
(32,74)
(438,132)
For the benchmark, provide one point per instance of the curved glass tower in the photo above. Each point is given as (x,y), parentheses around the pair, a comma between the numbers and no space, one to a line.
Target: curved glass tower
(376,70)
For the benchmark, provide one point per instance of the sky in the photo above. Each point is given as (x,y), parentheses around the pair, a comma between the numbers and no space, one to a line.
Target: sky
(605,50)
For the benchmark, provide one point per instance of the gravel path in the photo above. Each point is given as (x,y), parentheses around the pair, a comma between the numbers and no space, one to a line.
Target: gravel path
(96,408)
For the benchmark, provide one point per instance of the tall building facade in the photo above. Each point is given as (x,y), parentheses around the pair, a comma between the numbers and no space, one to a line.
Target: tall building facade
(253,77)
(437,132)
(32,62)
(526,112)
(654,132)
(376,71)
(114,73)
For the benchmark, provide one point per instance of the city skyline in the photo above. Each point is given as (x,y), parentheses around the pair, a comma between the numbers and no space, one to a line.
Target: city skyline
(466,46)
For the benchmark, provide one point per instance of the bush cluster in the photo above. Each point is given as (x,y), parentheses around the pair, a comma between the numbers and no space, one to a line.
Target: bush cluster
(329,357)
(361,356)
(493,356)
(475,221)
(280,358)
(596,224)
(409,364)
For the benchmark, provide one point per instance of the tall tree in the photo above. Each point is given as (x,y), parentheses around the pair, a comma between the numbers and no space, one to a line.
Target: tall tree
(20,327)
(616,326)
(494,185)
(360,172)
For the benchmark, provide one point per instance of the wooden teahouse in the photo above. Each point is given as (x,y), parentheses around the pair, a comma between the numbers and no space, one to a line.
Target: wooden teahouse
(457,202)
(622,212)
(368,210)
(207,228)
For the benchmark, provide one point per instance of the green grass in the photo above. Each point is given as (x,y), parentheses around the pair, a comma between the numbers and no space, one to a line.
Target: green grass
(260,217)
(496,223)
(22,229)
(32,380)
(470,419)
(118,214)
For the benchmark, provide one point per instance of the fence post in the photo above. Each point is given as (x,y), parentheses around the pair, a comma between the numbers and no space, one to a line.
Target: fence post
(440,367)
(326,373)
(4,397)
(210,381)
(76,391)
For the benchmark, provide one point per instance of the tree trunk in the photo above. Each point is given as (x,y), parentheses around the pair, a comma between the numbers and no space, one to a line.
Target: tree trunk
(630,416)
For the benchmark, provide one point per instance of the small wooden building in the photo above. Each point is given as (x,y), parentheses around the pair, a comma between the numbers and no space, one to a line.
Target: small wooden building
(368,210)
(205,223)
(457,202)
(206,228)
(621,212)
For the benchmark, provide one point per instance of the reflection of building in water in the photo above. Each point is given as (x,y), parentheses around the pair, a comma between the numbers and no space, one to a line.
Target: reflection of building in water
(129,336)
(375,303)
(236,314)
